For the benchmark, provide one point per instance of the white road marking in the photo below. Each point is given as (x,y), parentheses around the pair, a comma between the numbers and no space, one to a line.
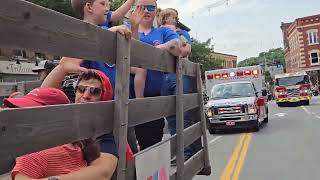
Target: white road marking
(280,114)
(215,139)
(305,109)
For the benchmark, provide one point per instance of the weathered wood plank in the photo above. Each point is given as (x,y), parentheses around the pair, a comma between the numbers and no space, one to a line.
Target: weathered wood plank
(146,56)
(7,88)
(121,102)
(191,134)
(203,122)
(179,120)
(47,127)
(194,165)
(157,107)
(28,26)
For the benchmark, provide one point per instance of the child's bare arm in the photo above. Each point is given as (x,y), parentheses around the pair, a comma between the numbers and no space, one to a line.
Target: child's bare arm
(120,13)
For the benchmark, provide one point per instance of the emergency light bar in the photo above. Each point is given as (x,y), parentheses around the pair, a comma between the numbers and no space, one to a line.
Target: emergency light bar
(233,74)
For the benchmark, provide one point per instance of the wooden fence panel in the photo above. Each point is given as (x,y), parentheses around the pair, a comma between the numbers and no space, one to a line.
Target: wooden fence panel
(121,102)
(47,127)
(157,107)
(191,134)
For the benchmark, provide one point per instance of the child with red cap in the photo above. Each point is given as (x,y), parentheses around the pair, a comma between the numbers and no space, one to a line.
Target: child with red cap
(59,160)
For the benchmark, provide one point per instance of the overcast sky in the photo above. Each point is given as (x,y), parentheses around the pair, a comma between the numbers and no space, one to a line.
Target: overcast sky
(242,27)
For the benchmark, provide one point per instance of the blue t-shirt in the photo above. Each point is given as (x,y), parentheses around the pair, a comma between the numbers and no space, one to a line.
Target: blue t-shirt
(154,78)
(108,23)
(108,145)
(184,36)
(155,37)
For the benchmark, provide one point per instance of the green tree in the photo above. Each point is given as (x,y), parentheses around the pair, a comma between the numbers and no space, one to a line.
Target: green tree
(201,54)
(62,6)
(273,56)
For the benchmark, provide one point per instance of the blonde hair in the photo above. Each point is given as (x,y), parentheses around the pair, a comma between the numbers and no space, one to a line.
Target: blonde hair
(164,14)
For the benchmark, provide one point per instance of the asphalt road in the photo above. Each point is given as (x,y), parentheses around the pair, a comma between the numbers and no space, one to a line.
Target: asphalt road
(287,148)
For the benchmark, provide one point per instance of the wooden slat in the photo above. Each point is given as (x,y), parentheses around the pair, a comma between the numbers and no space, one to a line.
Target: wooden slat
(194,165)
(203,121)
(157,107)
(179,121)
(7,88)
(32,129)
(28,26)
(191,134)
(121,102)
(146,56)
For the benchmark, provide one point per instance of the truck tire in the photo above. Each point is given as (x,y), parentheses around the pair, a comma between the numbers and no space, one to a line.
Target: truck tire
(212,131)
(255,126)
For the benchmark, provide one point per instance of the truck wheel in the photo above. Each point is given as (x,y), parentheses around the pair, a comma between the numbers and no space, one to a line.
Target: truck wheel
(256,126)
(266,120)
(212,131)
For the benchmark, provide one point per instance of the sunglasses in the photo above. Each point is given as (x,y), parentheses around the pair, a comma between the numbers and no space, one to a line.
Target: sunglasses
(94,91)
(150,8)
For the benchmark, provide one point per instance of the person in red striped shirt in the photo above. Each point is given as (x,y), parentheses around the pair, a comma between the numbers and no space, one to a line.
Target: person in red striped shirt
(80,160)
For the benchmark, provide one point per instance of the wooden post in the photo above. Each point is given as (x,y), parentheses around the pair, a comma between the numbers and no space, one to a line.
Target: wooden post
(207,167)
(179,120)
(122,101)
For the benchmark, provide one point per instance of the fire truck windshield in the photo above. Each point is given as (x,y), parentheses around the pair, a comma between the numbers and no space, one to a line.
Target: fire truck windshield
(294,80)
(233,90)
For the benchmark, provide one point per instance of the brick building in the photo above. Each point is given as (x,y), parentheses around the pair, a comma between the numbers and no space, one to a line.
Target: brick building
(301,44)
(229,61)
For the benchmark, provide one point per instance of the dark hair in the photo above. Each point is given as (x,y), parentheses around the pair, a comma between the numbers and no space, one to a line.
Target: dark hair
(90,149)
(78,6)
(88,75)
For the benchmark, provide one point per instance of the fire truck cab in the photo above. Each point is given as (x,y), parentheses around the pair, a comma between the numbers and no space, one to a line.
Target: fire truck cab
(237,99)
(292,88)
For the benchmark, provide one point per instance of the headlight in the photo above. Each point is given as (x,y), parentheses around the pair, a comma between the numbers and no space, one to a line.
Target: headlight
(252,109)
(209,112)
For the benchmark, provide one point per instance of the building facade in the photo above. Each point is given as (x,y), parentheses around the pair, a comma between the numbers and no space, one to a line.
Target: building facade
(301,44)
(229,61)
(16,65)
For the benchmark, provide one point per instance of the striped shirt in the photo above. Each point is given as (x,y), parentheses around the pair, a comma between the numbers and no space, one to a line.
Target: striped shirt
(50,162)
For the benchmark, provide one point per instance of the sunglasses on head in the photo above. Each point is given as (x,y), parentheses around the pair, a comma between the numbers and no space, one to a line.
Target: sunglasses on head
(94,91)
(150,7)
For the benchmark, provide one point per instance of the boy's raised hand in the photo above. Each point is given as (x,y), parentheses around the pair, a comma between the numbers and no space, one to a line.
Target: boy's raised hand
(72,65)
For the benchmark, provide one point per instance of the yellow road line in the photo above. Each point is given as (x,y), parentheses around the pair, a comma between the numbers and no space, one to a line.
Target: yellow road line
(226,175)
(242,157)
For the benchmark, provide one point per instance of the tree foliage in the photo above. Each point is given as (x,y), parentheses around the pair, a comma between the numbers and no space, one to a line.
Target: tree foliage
(273,56)
(201,54)
(62,6)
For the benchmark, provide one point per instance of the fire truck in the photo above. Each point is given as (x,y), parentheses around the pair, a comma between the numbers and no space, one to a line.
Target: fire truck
(237,98)
(292,88)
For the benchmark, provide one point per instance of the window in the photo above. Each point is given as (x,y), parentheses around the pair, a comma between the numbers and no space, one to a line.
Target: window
(312,36)
(314,57)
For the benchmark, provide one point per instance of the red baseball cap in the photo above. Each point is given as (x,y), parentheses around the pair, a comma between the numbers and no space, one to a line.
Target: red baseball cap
(42,96)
